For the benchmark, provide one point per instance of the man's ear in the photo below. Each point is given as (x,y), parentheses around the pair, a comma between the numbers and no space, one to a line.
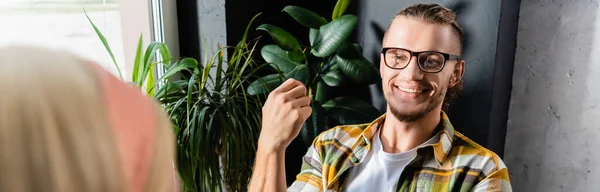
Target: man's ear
(457,73)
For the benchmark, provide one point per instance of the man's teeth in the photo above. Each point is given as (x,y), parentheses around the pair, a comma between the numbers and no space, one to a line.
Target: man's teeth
(410,90)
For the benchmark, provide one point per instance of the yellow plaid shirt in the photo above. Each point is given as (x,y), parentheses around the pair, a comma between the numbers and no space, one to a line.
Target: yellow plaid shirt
(455,163)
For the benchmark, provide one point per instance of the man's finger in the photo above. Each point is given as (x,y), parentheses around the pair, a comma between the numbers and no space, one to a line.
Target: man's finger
(301,102)
(296,92)
(305,112)
(287,85)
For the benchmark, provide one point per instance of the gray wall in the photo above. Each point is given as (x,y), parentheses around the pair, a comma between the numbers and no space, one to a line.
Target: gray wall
(201,27)
(554,121)
(213,31)
(212,26)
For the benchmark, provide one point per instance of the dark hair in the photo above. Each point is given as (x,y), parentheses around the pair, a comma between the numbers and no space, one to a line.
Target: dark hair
(437,14)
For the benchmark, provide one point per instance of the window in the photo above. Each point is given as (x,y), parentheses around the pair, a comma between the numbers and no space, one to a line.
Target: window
(61,24)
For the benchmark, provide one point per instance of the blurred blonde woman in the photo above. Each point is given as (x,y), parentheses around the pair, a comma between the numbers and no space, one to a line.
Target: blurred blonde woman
(68,125)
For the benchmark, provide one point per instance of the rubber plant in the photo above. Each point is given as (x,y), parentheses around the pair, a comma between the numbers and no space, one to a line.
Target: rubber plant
(328,60)
(216,122)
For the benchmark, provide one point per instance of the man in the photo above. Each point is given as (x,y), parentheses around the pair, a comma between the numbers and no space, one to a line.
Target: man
(413,147)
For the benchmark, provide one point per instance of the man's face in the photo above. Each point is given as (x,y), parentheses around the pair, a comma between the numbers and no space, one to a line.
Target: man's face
(410,92)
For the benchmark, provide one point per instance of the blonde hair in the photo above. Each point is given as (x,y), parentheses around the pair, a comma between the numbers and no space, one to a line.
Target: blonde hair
(55,131)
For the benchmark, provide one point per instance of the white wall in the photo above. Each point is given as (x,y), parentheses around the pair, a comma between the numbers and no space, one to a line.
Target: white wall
(135,21)
(58,1)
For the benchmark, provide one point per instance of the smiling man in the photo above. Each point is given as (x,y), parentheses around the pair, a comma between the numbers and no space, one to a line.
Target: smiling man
(413,147)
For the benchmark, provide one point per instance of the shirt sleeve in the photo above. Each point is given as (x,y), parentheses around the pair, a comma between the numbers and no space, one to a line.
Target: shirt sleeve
(497,181)
(310,177)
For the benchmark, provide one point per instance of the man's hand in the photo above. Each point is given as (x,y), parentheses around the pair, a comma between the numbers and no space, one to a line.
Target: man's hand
(283,114)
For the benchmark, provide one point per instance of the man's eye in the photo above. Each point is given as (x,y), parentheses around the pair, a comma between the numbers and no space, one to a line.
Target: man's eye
(431,63)
(401,57)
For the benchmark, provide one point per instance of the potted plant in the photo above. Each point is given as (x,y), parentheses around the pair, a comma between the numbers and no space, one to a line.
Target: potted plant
(216,122)
(328,60)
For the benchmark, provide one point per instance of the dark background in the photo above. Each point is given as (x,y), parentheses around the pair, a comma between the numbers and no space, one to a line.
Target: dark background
(490,27)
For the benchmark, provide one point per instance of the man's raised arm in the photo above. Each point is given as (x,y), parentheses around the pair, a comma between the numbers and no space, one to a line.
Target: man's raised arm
(283,114)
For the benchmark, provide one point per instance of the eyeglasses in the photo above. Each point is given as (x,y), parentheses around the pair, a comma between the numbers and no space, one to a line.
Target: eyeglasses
(428,61)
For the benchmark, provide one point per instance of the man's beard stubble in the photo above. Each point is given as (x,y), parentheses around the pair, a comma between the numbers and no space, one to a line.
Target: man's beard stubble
(414,116)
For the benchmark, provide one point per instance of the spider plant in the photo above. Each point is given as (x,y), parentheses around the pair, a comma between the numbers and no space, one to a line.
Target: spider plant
(216,122)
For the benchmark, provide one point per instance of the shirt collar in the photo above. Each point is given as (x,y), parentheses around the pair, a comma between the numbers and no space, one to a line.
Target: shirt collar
(440,149)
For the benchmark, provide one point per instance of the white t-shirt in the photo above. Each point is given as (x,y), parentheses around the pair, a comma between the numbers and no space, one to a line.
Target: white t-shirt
(380,170)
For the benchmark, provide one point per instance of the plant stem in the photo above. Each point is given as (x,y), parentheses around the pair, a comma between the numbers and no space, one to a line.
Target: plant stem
(317,73)
(225,176)
(312,89)
(304,54)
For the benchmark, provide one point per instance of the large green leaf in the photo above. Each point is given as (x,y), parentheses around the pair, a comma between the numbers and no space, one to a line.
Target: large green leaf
(347,111)
(265,84)
(334,78)
(278,59)
(313,34)
(317,122)
(296,56)
(333,35)
(322,92)
(355,66)
(300,73)
(305,17)
(340,8)
(281,37)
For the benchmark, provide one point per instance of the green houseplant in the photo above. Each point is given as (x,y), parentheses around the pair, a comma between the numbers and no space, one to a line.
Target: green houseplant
(143,75)
(215,121)
(329,60)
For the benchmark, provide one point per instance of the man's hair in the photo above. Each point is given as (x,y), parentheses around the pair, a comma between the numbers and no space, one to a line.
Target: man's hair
(436,14)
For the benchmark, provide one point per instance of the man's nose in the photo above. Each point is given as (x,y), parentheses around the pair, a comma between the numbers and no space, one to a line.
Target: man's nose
(412,71)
